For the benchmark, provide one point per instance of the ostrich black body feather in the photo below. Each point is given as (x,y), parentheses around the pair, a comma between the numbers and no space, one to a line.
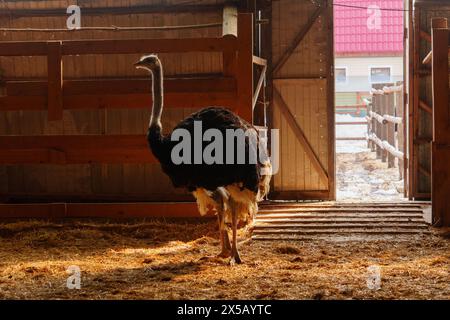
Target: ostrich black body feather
(193,176)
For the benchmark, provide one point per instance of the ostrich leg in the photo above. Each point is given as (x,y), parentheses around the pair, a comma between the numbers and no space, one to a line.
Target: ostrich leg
(221,198)
(235,258)
(224,240)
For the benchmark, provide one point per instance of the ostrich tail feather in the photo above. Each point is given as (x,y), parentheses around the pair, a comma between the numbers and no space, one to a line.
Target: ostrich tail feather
(205,203)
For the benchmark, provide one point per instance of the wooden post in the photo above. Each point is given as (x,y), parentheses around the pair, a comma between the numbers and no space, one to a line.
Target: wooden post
(413,108)
(369,127)
(383,127)
(229,29)
(400,112)
(376,105)
(390,126)
(230,21)
(55,80)
(441,136)
(244,72)
(440,80)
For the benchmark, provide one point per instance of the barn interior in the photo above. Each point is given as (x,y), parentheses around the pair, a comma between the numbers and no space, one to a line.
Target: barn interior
(80,188)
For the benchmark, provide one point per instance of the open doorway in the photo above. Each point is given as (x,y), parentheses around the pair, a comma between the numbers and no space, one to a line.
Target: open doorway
(370,122)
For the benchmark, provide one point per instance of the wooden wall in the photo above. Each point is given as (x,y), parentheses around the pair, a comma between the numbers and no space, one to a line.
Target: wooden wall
(97,181)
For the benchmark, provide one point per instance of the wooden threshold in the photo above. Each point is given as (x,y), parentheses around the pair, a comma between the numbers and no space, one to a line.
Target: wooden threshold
(100,210)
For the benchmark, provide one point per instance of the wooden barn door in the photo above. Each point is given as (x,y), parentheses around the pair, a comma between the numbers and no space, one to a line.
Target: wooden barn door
(303,99)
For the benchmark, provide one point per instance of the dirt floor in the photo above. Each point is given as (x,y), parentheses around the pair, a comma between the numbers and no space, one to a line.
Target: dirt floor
(166,260)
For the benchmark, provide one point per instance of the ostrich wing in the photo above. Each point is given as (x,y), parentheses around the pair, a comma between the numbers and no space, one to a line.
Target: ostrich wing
(206,176)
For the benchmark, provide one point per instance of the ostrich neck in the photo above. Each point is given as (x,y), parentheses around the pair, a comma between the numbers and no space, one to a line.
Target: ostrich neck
(157,76)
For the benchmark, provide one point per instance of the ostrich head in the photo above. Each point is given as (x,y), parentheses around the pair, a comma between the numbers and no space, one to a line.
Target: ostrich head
(150,62)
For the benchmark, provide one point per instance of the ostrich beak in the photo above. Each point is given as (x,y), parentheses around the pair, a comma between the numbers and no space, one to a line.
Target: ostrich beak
(137,64)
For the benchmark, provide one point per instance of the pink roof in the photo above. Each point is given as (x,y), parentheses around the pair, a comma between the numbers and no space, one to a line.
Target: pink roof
(356,31)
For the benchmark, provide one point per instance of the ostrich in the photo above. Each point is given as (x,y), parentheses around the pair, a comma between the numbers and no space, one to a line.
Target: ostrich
(232,191)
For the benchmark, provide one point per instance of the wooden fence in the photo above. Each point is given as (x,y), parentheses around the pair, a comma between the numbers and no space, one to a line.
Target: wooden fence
(233,88)
(385,125)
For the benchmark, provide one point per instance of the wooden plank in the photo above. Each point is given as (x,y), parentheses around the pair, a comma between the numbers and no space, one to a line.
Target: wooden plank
(352,138)
(440,185)
(427,58)
(414,91)
(123,86)
(356,205)
(75,149)
(23,48)
(298,38)
(440,179)
(55,81)
(333,231)
(116,10)
(121,101)
(300,195)
(357,211)
(100,210)
(331,101)
(441,116)
(424,106)
(390,126)
(301,137)
(244,72)
(128,46)
(121,46)
(338,225)
(261,80)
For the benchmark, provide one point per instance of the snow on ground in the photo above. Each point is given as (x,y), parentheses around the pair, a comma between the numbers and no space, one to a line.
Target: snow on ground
(350,130)
(360,176)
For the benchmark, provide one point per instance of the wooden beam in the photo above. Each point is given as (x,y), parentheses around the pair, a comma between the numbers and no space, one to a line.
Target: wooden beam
(55,81)
(120,10)
(284,108)
(120,101)
(424,106)
(298,38)
(23,48)
(414,97)
(300,195)
(126,46)
(261,80)
(259,61)
(440,81)
(123,86)
(17,103)
(351,138)
(425,36)
(244,72)
(440,173)
(135,210)
(64,149)
(120,46)
(104,93)
(427,58)
(100,210)
(424,171)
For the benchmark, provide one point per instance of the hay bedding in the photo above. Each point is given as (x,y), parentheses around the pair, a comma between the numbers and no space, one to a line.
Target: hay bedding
(165,260)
